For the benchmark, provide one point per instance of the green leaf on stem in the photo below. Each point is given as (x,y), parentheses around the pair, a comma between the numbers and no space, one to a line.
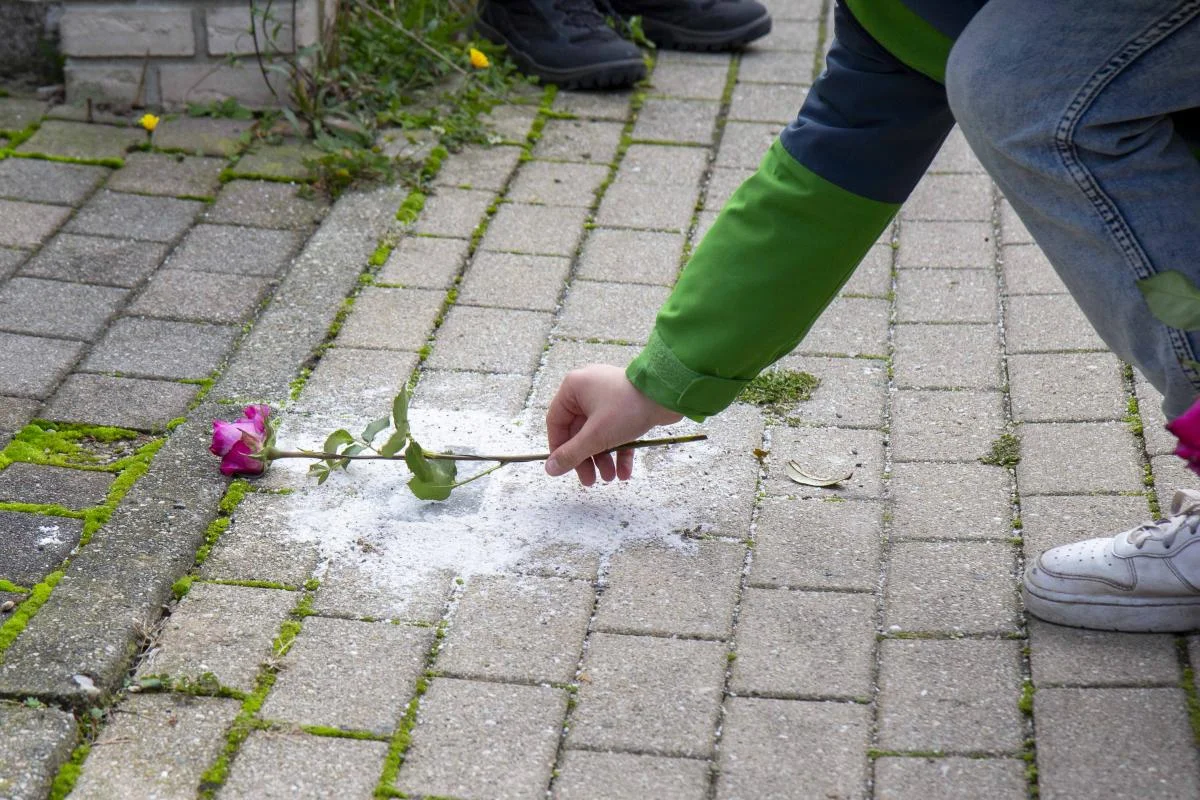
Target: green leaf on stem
(1173,298)
(394,444)
(373,430)
(336,440)
(431,480)
(400,413)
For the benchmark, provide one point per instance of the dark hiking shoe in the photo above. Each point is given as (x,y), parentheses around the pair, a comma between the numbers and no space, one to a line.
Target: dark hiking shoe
(565,42)
(698,24)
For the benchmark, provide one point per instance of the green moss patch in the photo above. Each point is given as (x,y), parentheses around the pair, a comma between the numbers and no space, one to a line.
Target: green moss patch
(778,389)
(1005,452)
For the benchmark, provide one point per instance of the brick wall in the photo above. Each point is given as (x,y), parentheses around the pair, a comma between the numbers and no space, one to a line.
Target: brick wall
(167,53)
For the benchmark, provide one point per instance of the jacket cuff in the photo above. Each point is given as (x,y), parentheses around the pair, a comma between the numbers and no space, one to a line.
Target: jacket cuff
(661,376)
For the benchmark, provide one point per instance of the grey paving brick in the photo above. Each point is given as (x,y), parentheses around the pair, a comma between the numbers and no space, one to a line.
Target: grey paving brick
(1159,441)
(425,262)
(34,544)
(169,175)
(351,590)
(237,250)
(265,204)
(672,592)
(564,356)
(950,501)
(503,395)
(17,113)
(39,483)
(951,587)
(698,81)
(743,144)
(815,544)
(200,296)
(692,57)
(704,222)
(32,366)
(849,326)
(851,394)
(358,382)
(124,402)
(950,198)
(789,35)
(585,775)
(776,67)
(284,160)
(279,765)
(1047,323)
(391,319)
(209,136)
(945,426)
(150,348)
(630,256)
(956,245)
(547,230)
(490,340)
(312,687)
(622,312)
(81,140)
(96,260)
(760,102)
(828,451)
(479,167)
(947,356)
(579,140)
(225,630)
(156,746)
(511,280)
(722,183)
(675,120)
(1053,521)
(1013,231)
(1071,458)
(37,181)
(10,259)
(1066,387)
(593,105)
(559,560)
(153,219)
(1061,656)
(1116,742)
(629,204)
(664,165)
(15,412)
(771,748)
(256,547)
(958,696)
(873,276)
(54,308)
(936,295)
(1028,271)
(519,629)
(36,742)
(1170,474)
(453,212)
(558,184)
(956,156)
(484,740)
(805,644)
(949,778)
(511,121)
(630,697)
(27,225)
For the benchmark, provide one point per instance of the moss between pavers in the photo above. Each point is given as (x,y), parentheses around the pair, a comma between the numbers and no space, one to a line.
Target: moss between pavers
(38,596)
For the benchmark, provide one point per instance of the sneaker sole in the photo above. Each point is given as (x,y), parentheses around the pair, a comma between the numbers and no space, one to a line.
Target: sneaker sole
(1113,614)
(673,37)
(607,75)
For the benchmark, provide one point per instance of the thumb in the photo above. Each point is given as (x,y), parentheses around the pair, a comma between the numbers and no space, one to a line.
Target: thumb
(580,447)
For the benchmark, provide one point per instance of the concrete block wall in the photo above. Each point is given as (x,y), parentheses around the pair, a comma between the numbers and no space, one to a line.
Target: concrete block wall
(168,53)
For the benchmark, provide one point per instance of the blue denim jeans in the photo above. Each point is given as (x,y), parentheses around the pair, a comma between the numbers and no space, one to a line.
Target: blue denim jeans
(1072,106)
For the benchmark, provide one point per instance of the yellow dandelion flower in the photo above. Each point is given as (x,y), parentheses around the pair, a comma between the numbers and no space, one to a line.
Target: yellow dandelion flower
(149,122)
(478,59)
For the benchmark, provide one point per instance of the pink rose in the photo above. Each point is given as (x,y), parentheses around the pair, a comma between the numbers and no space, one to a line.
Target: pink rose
(242,444)
(1187,429)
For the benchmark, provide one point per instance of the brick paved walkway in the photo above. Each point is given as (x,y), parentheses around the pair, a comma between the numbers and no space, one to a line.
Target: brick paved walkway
(797,643)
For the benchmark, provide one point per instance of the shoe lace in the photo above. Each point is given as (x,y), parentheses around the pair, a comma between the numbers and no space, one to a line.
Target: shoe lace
(1185,518)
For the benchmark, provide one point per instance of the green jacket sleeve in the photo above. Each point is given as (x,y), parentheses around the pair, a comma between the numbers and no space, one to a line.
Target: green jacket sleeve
(773,260)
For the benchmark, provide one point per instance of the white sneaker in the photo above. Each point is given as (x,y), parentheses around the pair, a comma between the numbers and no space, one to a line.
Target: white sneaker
(1144,580)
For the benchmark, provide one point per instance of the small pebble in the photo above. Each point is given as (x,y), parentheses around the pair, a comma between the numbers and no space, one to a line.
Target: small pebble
(7,605)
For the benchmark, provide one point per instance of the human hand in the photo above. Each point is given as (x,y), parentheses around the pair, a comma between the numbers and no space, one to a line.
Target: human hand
(597,408)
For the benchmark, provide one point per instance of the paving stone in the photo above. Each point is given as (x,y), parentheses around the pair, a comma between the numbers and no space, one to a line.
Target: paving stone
(96,260)
(479,167)
(934,295)
(564,356)
(502,395)
(593,104)
(510,280)
(956,156)
(132,216)
(547,230)
(873,276)
(1028,271)
(704,223)
(169,175)
(484,740)
(945,426)
(827,451)
(18,113)
(579,140)
(951,587)
(629,204)
(27,225)
(31,545)
(36,181)
(518,629)
(585,775)
(697,81)
(622,312)
(950,198)
(950,778)
(1079,457)
(675,120)
(202,135)
(359,383)
(629,256)
(559,560)
(852,392)
(789,35)
(511,121)
(453,212)
(957,245)
(36,742)
(200,296)
(391,319)
(256,547)
(743,144)
(54,308)
(490,340)
(805,644)
(771,748)
(950,501)
(692,57)
(812,544)
(425,262)
(1066,387)
(631,697)
(225,630)
(1047,323)
(10,259)
(123,402)
(849,326)
(756,102)
(557,184)
(672,592)
(775,66)
(16,412)
(957,695)
(352,590)
(1116,742)
(1053,521)
(947,356)
(722,183)
(81,140)
(42,484)
(385,660)
(1013,230)
(664,165)
(275,765)
(1062,656)
(1159,441)
(1170,474)
(150,348)
(265,204)
(32,366)
(156,746)
(236,250)
(285,160)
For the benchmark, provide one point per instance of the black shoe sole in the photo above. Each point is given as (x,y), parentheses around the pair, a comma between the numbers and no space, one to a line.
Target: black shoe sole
(605,75)
(673,37)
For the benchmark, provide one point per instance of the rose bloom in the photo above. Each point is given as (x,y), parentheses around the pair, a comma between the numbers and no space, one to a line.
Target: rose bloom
(1187,429)
(241,443)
